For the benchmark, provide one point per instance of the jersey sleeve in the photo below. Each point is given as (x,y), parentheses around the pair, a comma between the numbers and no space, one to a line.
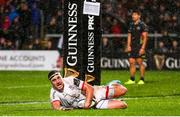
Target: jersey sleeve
(54,96)
(145,28)
(130,28)
(75,81)
(78,83)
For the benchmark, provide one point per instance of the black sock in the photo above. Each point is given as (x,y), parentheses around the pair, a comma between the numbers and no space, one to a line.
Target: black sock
(132,78)
(142,78)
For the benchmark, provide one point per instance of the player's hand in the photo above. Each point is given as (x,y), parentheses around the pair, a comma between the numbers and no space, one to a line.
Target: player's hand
(87,105)
(141,52)
(129,49)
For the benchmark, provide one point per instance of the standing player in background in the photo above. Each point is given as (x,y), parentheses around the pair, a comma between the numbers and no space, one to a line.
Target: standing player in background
(136,44)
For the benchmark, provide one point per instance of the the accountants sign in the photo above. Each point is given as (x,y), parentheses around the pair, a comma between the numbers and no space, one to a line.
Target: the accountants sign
(28,60)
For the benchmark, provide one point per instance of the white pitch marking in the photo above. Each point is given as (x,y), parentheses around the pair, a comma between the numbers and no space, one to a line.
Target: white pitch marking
(23,103)
(150,97)
(31,86)
(44,102)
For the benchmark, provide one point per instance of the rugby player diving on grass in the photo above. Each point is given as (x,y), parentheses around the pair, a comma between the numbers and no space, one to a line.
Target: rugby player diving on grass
(70,92)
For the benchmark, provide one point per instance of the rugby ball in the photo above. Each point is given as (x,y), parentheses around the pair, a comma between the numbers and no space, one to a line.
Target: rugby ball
(82,102)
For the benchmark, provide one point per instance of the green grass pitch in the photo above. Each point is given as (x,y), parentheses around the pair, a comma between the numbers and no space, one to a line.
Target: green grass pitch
(27,94)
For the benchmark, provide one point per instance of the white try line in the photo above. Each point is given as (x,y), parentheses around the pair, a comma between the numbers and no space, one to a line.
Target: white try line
(30,86)
(150,97)
(45,102)
(24,103)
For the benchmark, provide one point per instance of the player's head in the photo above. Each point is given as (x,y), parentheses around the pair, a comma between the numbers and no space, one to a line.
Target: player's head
(56,79)
(136,15)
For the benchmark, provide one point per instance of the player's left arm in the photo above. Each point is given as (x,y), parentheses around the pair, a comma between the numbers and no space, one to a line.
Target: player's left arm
(87,89)
(144,39)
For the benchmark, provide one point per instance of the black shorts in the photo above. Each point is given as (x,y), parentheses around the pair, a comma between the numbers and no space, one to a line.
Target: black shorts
(135,54)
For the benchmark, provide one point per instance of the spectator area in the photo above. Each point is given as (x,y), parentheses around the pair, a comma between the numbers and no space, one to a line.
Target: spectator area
(24,23)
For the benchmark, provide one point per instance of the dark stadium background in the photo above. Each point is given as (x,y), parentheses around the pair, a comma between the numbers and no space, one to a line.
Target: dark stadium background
(37,18)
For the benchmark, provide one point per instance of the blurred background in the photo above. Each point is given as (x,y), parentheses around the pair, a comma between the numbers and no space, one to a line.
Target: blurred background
(38,25)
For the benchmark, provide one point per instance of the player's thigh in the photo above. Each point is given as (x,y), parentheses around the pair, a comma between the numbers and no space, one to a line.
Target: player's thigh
(111,104)
(109,92)
(101,92)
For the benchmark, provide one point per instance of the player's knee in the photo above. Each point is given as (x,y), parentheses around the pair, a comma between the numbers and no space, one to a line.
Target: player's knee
(120,91)
(131,62)
(123,90)
(141,65)
(139,62)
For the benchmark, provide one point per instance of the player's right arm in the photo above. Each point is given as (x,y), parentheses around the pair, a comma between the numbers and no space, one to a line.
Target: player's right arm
(56,105)
(129,42)
(129,39)
(56,102)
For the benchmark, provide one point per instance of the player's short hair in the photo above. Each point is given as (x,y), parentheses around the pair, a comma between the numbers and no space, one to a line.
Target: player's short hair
(137,11)
(52,74)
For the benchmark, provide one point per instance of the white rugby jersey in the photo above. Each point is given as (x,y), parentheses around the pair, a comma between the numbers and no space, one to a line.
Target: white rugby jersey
(71,94)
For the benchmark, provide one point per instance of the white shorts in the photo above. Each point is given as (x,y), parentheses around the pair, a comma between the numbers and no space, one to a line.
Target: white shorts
(103,104)
(103,92)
